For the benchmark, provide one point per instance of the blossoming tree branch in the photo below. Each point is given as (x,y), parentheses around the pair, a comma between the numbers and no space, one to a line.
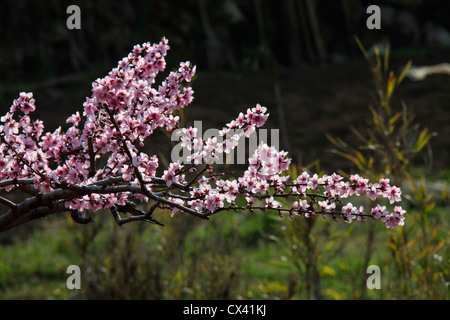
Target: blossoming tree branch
(98,162)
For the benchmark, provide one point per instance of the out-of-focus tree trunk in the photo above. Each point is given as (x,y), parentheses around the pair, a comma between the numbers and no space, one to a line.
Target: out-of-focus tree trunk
(280,108)
(306,32)
(347,15)
(313,280)
(368,255)
(312,14)
(293,33)
(265,52)
(211,38)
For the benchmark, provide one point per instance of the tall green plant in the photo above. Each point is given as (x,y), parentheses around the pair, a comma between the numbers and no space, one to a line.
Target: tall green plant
(392,140)
(391,144)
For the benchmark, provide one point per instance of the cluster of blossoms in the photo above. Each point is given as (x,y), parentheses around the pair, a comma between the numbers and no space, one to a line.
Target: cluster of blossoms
(98,162)
(264,181)
(228,138)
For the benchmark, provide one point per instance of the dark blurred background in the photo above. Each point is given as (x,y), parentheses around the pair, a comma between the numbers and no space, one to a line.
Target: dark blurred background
(300,60)
(296,57)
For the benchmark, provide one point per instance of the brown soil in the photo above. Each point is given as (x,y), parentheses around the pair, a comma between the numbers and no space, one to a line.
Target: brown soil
(316,100)
(320,100)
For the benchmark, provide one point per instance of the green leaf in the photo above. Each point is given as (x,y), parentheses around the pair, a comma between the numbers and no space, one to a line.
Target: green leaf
(361,47)
(390,85)
(351,158)
(294,172)
(376,118)
(439,246)
(377,56)
(430,206)
(359,135)
(423,139)
(393,246)
(403,74)
(386,58)
(361,158)
(370,163)
(444,192)
(395,118)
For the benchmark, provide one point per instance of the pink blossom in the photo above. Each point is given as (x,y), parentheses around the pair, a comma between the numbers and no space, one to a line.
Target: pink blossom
(271,203)
(214,201)
(323,205)
(360,213)
(393,194)
(372,191)
(379,211)
(312,183)
(72,176)
(303,204)
(27,105)
(75,119)
(393,220)
(399,210)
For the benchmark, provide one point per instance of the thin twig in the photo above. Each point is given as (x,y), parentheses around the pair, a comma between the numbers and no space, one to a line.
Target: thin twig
(143,217)
(194,179)
(8,203)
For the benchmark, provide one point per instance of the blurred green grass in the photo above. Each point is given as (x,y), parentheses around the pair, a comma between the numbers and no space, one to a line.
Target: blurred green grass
(234,255)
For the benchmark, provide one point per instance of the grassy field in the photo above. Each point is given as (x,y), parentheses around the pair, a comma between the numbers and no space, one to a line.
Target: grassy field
(232,256)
